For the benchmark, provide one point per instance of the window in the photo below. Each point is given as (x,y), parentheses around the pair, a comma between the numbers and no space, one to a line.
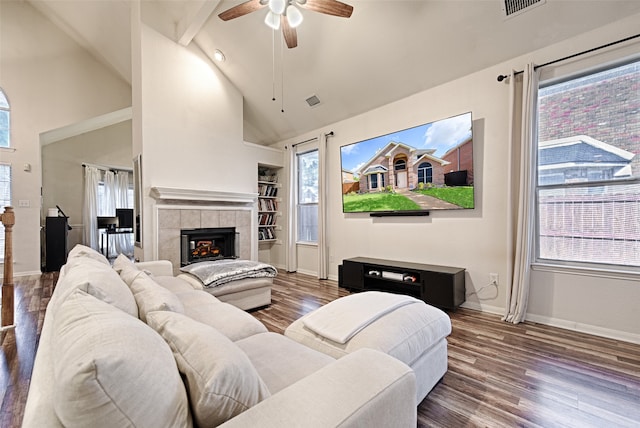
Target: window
(400,165)
(5,123)
(373,181)
(588,169)
(5,198)
(425,173)
(307,196)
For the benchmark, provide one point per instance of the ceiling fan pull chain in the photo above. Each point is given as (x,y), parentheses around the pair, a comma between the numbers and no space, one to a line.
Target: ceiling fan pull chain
(282,75)
(273,65)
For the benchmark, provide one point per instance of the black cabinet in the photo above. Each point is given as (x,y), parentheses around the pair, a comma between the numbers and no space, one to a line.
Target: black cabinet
(440,286)
(56,231)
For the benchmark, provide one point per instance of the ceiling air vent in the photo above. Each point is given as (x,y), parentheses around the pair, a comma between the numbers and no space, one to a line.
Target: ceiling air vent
(313,101)
(512,8)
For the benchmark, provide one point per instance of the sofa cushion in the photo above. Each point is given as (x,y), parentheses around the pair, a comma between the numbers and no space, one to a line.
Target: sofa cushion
(82,251)
(232,322)
(221,382)
(153,297)
(173,283)
(111,369)
(97,279)
(280,361)
(123,262)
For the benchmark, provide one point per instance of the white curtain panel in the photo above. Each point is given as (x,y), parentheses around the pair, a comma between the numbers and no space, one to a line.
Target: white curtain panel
(108,206)
(90,207)
(323,248)
(524,142)
(291,258)
(124,241)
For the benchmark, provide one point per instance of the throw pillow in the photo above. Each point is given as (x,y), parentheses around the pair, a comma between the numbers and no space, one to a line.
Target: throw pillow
(82,251)
(96,279)
(123,262)
(112,370)
(221,381)
(151,296)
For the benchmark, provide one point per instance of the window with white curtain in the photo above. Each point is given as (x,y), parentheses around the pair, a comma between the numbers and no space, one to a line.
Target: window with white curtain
(307,201)
(588,169)
(5,198)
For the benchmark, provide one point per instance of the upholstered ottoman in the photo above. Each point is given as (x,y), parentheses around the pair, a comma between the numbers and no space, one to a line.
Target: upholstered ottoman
(401,326)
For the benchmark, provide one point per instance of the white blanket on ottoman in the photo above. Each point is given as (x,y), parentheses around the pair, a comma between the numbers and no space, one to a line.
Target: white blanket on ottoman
(218,272)
(343,318)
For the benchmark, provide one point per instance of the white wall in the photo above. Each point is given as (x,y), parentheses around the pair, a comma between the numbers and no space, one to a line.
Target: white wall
(51,82)
(190,126)
(474,239)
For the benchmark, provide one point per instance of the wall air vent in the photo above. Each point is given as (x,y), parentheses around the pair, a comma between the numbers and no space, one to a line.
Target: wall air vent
(513,8)
(313,101)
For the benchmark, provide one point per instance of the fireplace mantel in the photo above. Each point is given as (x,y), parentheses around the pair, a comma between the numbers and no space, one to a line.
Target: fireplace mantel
(173,194)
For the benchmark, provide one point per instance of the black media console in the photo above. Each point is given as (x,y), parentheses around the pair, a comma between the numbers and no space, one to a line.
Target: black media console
(440,286)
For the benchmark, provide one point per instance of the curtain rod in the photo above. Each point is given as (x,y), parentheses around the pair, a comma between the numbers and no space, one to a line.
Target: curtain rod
(107,168)
(328,134)
(501,77)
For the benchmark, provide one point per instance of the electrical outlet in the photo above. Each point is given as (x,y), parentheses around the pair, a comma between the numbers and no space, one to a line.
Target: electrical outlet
(24,203)
(493,279)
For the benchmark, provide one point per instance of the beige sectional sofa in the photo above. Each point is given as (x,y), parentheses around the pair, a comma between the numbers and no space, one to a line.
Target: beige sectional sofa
(126,346)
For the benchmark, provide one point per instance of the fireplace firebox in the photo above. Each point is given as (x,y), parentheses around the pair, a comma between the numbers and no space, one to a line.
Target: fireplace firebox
(197,245)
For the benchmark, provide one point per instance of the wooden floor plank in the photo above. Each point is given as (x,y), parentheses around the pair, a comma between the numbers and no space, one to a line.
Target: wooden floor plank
(500,375)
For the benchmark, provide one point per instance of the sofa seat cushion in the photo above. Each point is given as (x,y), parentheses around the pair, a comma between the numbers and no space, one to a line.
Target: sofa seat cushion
(221,381)
(281,361)
(110,369)
(97,279)
(232,322)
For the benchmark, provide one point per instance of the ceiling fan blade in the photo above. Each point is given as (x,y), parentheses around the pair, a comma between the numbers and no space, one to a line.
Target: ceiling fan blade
(290,35)
(329,7)
(241,9)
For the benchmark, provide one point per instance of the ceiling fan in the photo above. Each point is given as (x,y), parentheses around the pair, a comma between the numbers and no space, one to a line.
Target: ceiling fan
(285,14)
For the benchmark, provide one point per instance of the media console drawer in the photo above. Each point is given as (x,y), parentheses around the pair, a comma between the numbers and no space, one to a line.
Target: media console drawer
(440,286)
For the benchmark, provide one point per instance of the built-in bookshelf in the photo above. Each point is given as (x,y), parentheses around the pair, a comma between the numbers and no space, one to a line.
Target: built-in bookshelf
(268,202)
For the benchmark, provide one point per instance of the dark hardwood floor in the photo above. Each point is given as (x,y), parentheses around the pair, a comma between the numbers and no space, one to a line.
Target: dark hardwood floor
(500,375)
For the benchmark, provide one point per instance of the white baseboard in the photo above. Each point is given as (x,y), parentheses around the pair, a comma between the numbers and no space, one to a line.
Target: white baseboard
(19,274)
(563,324)
(307,272)
(483,308)
(585,328)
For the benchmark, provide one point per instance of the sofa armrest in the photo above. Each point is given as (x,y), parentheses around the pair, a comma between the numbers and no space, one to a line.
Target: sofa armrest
(364,388)
(157,267)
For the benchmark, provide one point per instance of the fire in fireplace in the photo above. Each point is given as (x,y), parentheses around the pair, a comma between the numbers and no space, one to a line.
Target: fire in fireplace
(197,245)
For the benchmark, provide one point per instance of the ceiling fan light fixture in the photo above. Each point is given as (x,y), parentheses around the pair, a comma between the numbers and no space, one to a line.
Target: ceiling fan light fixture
(272,20)
(277,6)
(294,16)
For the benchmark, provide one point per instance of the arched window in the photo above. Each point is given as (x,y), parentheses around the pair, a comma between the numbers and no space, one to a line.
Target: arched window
(400,165)
(425,173)
(5,122)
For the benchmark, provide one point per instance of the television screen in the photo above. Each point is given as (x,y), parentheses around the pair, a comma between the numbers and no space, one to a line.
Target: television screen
(427,167)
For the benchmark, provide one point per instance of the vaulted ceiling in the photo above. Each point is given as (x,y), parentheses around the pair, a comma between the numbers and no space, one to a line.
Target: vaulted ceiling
(386,51)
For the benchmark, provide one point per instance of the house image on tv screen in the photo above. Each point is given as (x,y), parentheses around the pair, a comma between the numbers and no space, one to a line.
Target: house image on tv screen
(403,167)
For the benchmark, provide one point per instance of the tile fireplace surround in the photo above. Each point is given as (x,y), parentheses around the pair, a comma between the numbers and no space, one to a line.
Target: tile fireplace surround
(188,209)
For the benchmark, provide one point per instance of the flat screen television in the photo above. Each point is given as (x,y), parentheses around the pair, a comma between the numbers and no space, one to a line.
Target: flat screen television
(412,171)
